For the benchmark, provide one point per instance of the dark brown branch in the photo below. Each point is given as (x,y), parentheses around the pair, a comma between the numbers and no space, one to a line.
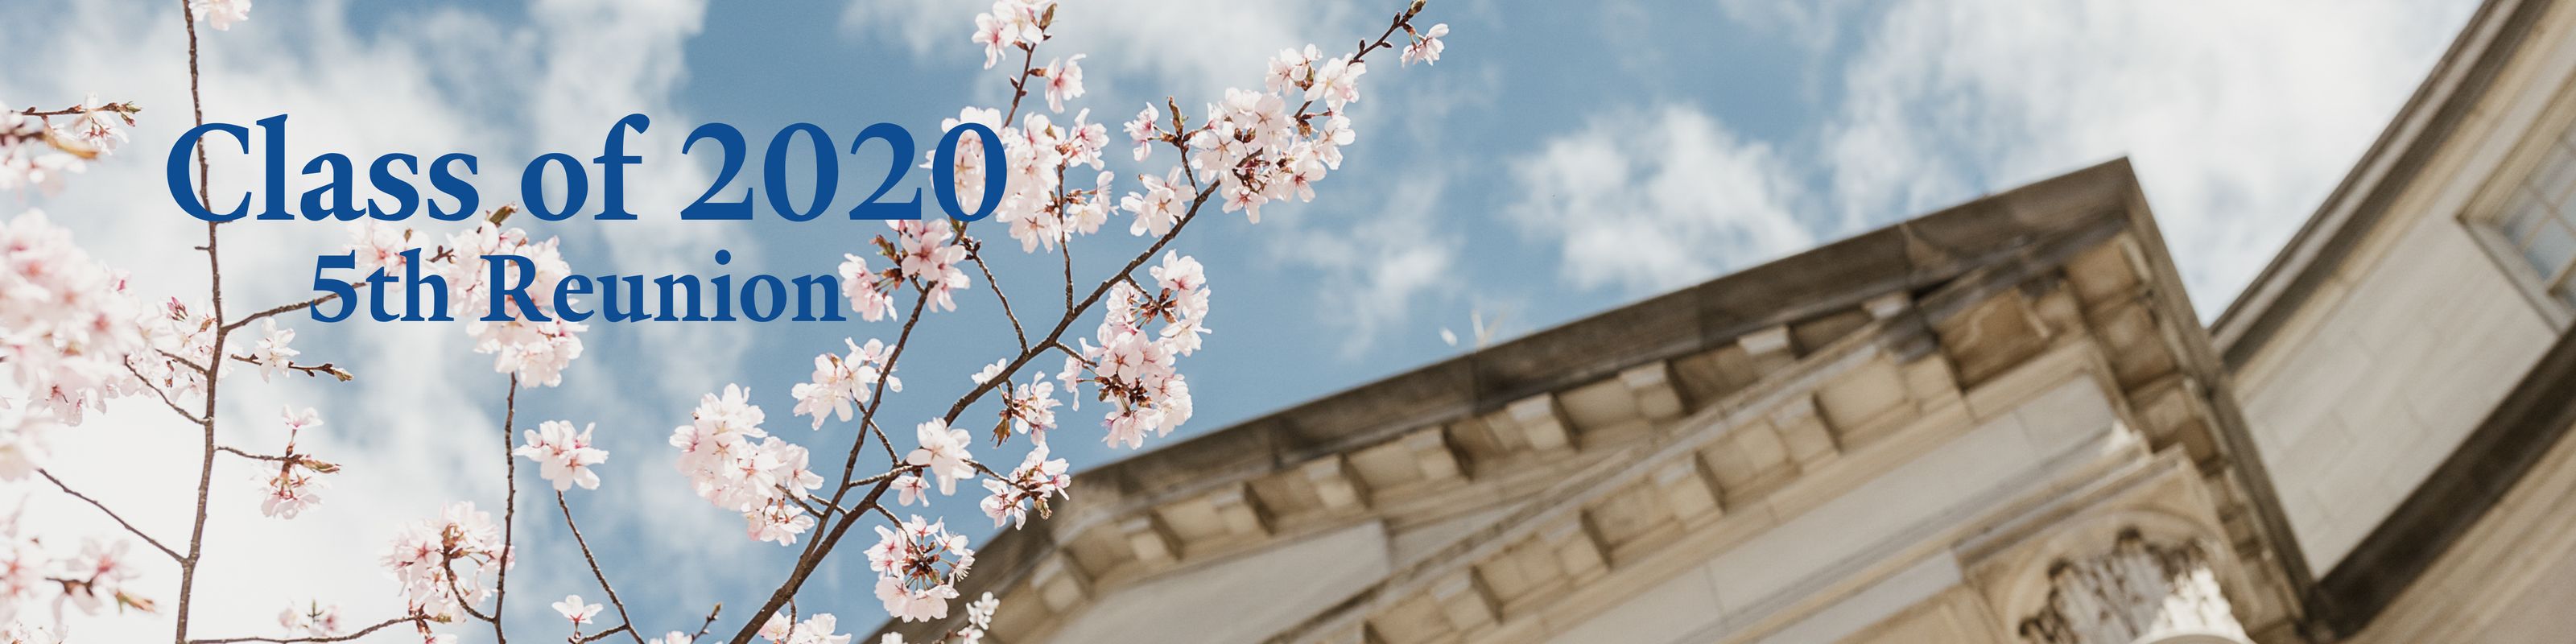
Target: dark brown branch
(127,107)
(628,629)
(416,618)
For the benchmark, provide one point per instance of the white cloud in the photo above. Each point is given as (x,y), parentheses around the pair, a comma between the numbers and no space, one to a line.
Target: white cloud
(1375,271)
(1649,200)
(2239,116)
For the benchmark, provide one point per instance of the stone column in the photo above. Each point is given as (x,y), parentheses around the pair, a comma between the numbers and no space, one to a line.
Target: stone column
(2139,591)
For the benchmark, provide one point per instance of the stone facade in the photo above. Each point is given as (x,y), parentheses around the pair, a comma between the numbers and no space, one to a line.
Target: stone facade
(1998,423)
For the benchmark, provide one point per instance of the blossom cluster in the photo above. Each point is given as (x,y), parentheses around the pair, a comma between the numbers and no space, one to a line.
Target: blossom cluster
(66,325)
(1029,486)
(563,456)
(537,351)
(820,629)
(765,481)
(918,563)
(843,381)
(441,563)
(90,581)
(36,152)
(1134,367)
(294,485)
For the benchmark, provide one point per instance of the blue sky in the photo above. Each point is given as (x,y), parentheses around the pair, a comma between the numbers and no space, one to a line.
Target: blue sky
(1562,159)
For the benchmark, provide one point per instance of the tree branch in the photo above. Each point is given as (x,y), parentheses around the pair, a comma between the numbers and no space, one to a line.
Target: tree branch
(102,507)
(416,618)
(596,573)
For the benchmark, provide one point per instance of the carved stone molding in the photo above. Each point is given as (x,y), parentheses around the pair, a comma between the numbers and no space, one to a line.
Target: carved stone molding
(2139,591)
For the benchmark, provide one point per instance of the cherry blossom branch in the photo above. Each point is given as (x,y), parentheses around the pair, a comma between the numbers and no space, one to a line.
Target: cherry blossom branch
(215,290)
(163,395)
(256,457)
(447,563)
(710,621)
(1028,68)
(805,567)
(281,310)
(390,623)
(628,629)
(102,508)
(509,507)
(185,362)
(127,107)
(597,574)
(975,251)
(1072,313)
(309,370)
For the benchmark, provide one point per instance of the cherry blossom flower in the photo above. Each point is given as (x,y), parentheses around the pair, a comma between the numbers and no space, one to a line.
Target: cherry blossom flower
(1337,82)
(980,613)
(1011,23)
(1159,207)
(841,382)
(441,563)
(943,452)
(536,351)
(272,352)
(98,125)
(295,483)
(96,579)
(574,609)
(762,480)
(1426,45)
(221,14)
(378,245)
(869,293)
(1031,409)
(989,372)
(1029,486)
(67,324)
(930,260)
(909,489)
(1291,69)
(291,489)
(1145,131)
(1063,81)
(34,155)
(818,629)
(917,565)
(563,457)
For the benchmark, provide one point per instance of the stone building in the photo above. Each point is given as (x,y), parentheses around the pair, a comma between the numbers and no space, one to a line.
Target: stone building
(2000,422)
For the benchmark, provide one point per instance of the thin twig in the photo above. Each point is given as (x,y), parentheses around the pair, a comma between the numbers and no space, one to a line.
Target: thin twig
(280,310)
(318,638)
(628,629)
(975,251)
(102,507)
(595,571)
(164,395)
